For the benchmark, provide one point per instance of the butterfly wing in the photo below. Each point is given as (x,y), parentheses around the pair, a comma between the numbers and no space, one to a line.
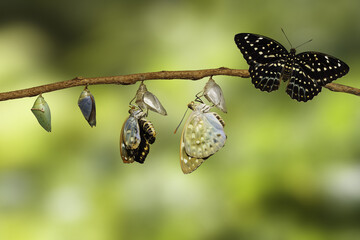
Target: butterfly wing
(131,133)
(126,155)
(301,86)
(321,67)
(266,77)
(188,163)
(258,49)
(202,136)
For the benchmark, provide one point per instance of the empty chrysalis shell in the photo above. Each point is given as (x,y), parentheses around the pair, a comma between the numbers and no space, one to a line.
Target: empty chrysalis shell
(41,111)
(214,94)
(87,106)
(146,100)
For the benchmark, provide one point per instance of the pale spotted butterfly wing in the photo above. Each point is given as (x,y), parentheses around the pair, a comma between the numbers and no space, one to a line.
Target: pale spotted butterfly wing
(269,63)
(202,136)
(136,135)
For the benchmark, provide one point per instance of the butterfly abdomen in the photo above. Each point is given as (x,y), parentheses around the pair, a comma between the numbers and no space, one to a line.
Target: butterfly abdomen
(287,70)
(219,118)
(149,130)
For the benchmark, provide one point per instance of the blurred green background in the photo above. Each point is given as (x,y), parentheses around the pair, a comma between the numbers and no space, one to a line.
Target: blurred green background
(289,170)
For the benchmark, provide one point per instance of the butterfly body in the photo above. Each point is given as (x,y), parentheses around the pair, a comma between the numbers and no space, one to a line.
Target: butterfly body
(270,62)
(202,136)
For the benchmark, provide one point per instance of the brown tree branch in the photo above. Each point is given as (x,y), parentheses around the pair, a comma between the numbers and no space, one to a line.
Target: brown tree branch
(133,78)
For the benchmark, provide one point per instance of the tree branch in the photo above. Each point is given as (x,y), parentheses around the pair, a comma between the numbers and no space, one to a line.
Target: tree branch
(133,78)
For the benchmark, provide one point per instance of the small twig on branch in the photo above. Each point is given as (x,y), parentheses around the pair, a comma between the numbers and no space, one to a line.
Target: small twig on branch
(133,78)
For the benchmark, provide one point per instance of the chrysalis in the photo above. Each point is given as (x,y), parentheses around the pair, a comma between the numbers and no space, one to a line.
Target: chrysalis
(136,135)
(214,94)
(41,111)
(146,100)
(86,104)
(202,136)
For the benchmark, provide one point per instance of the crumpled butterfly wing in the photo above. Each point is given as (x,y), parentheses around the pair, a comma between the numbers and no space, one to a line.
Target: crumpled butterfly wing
(126,156)
(203,135)
(131,132)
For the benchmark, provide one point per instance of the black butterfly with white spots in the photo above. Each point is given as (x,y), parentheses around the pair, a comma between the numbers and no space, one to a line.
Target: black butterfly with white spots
(270,62)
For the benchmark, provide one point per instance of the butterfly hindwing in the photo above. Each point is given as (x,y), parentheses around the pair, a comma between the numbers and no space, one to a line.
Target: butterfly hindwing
(301,86)
(266,77)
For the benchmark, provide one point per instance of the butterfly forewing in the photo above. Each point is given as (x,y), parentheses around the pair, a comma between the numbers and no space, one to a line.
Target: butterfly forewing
(131,133)
(321,67)
(259,49)
(126,157)
(204,135)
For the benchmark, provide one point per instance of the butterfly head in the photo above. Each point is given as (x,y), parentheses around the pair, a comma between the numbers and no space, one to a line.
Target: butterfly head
(136,113)
(201,107)
(292,51)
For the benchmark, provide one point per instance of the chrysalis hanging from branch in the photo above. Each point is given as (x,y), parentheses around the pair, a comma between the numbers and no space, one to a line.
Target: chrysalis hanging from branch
(146,100)
(213,93)
(86,104)
(42,113)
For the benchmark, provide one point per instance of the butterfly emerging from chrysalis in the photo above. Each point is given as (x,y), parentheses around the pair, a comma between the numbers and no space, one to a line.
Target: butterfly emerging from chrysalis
(270,62)
(203,133)
(136,135)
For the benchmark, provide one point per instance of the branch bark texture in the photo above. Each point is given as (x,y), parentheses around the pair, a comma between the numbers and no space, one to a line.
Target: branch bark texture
(133,78)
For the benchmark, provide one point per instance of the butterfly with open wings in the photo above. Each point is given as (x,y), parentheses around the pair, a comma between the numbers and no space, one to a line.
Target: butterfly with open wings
(270,62)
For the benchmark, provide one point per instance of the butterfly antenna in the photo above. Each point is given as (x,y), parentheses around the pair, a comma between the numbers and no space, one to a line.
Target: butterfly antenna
(181,121)
(286,37)
(304,43)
